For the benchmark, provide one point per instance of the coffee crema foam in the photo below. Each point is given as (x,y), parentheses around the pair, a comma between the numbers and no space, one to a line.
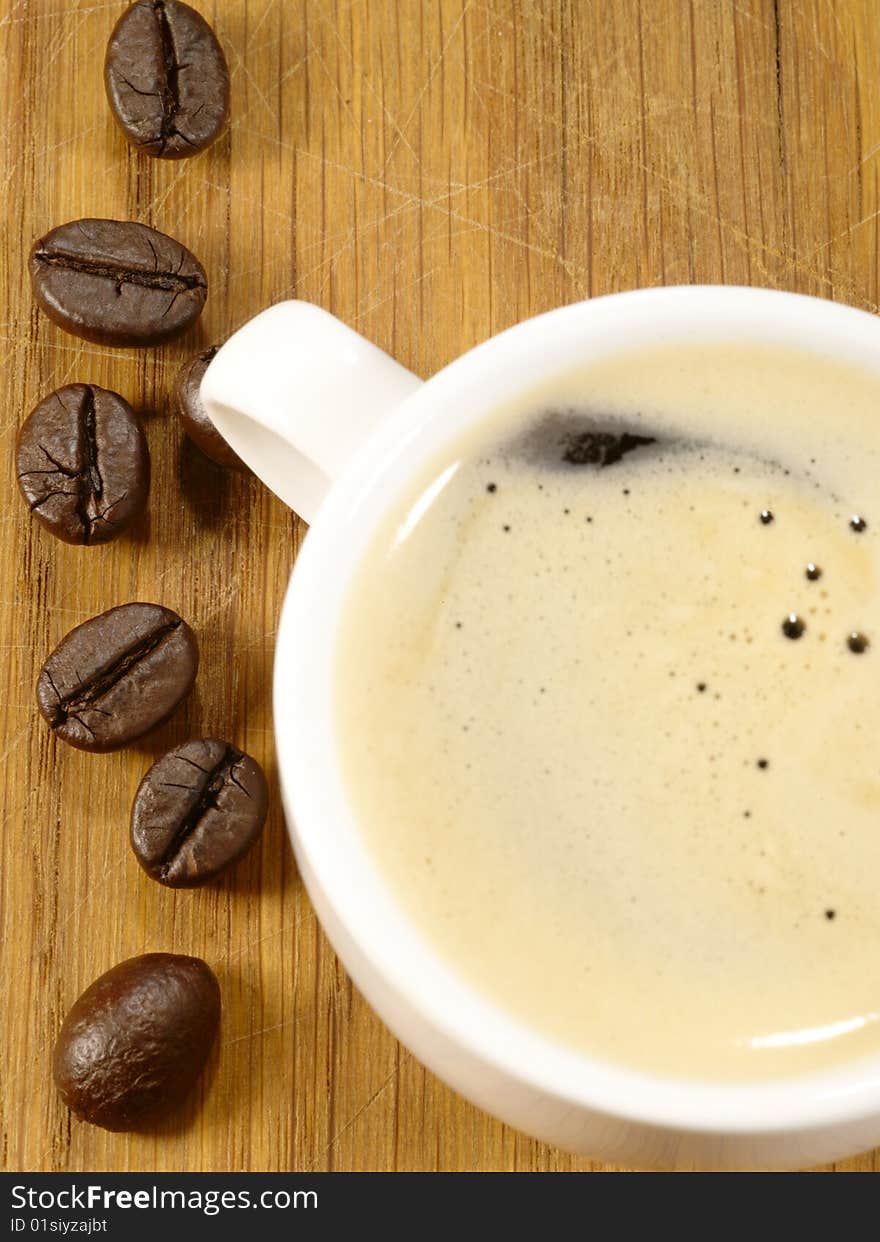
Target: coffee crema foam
(593,760)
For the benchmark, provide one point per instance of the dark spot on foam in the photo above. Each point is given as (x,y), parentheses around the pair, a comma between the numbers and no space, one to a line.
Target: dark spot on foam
(857,523)
(601,448)
(858,643)
(793,626)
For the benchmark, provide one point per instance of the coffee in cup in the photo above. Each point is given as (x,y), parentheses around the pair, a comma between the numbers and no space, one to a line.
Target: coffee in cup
(606,705)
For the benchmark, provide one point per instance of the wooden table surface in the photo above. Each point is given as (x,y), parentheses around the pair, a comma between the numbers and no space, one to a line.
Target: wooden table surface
(431,171)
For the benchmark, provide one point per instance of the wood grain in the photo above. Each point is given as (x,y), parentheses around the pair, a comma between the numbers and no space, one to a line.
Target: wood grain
(431,172)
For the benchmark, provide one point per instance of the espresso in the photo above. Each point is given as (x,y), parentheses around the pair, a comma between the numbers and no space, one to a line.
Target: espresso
(607,704)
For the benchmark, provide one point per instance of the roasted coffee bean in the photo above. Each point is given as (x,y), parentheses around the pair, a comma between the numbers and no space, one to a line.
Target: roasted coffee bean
(167,80)
(117,282)
(197,810)
(118,676)
(83,464)
(131,1048)
(192,413)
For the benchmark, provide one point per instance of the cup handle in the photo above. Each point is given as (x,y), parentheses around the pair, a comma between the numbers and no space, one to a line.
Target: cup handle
(295,392)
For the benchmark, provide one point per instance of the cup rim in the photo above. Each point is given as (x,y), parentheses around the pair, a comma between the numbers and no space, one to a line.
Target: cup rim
(354,897)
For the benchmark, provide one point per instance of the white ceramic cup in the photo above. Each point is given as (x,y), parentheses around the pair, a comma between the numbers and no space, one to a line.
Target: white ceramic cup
(340,431)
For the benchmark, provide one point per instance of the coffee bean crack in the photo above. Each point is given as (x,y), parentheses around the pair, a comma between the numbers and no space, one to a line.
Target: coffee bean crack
(90,690)
(215,780)
(169,92)
(91,485)
(171,282)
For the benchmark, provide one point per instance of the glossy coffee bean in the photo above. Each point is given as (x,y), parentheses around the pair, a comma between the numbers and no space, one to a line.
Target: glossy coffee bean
(133,1045)
(167,79)
(83,464)
(116,282)
(193,417)
(117,676)
(197,811)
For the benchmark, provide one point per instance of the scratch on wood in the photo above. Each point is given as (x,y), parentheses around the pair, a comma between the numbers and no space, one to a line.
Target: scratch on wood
(377,1094)
(426,86)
